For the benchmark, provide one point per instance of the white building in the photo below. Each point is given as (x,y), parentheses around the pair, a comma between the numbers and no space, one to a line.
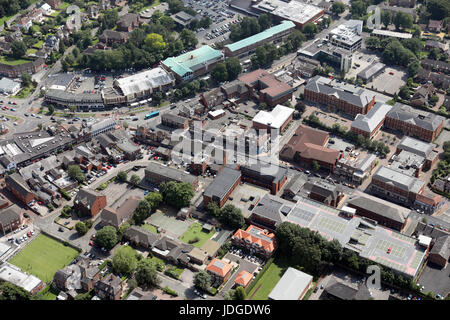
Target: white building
(278,118)
(293,285)
(8,86)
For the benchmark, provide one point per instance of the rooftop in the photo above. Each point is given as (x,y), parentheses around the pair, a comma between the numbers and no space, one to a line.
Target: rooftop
(415,146)
(377,207)
(296,11)
(222,183)
(425,120)
(291,285)
(219,267)
(348,32)
(14,275)
(372,119)
(398,179)
(275,118)
(388,33)
(143,81)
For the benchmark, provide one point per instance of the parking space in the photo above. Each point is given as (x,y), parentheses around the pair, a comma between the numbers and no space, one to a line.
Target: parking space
(20,235)
(435,279)
(389,81)
(361,61)
(165,218)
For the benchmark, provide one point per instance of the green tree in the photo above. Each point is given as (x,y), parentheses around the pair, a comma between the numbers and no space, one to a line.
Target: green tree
(231,216)
(18,48)
(26,79)
(233,67)
(51,109)
(81,228)
(106,237)
(177,194)
(109,19)
(213,209)
(122,176)
(315,165)
(10,291)
(154,199)
(403,20)
(413,44)
(155,42)
(413,68)
(404,92)
(264,21)
(386,17)
(202,280)
(372,43)
(142,212)
(124,260)
(188,38)
(219,73)
(358,9)
(135,180)
(75,172)
(296,38)
(146,274)
(310,29)
(439,9)
(240,293)
(338,7)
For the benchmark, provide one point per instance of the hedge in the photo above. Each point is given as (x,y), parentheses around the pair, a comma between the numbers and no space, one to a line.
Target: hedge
(65,195)
(170,291)
(260,274)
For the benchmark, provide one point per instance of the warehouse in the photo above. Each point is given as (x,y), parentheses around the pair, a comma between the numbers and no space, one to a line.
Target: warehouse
(8,86)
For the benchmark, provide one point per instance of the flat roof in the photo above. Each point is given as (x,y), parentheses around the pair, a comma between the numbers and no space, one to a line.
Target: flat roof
(275,118)
(398,179)
(388,33)
(14,275)
(266,34)
(299,12)
(146,80)
(291,285)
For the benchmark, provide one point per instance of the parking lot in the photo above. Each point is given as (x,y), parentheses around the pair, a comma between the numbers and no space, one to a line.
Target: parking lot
(165,218)
(389,81)
(435,279)
(361,61)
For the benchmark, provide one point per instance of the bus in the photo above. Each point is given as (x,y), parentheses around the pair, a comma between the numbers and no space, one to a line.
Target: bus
(151,115)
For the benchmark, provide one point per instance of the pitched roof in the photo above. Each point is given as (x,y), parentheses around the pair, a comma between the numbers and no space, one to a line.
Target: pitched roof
(117,216)
(442,247)
(16,182)
(87,197)
(10,214)
(219,267)
(243,278)
(258,237)
(141,236)
(222,183)
(377,207)
(372,119)
(425,120)
(291,285)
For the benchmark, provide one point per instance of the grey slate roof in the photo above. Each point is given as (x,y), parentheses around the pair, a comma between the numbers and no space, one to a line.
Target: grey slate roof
(10,214)
(171,173)
(295,184)
(372,119)
(426,120)
(378,208)
(141,236)
(442,247)
(87,197)
(398,179)
(16,182)
(416,146)
(273,208)
(222,183)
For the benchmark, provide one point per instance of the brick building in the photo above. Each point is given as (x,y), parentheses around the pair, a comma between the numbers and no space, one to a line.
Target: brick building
(89,202)
(222,186)
(256,239)
(368,125)
(219,270)
(271,176)
(19,188)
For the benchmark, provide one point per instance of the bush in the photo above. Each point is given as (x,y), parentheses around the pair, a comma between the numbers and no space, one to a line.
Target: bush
(172,273)
(102,186)
(194,240)
(65,195)
(170,291)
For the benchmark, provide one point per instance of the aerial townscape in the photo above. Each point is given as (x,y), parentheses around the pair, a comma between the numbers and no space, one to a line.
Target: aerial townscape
(224,150)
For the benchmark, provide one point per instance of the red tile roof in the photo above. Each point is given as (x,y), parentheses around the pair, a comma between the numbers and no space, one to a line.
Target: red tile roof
(269,245)
(243,278)
(219,267)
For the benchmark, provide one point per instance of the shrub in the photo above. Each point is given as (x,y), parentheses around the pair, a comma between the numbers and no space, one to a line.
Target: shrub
(170,291)
(65,195)
(194,240)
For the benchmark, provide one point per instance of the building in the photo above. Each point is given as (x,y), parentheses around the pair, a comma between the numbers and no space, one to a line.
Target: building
(248,45)
(266,87)
(356,169)
(109,37)
(139,294)
(270,212)
(10,219)
(431,44)
(403,3)
(347,35)
(296,11)
(54,3)
(15,71)
(339,96)
(193,63)
(434,25)
(219,270)
(294,186)
(412,122)
(293,285)
(370,72)
(222,186)
(80,276)
(155,173)
(118,216)
(243,279)
(308,145)
(182,18)
(65,99)
(422,95)
(109,288)
(370,124)
(435,65)
(440,252)
(384,214)
(324,51)
(141,237)
(8,86)
(128,22)
(257,240)
(414,155)
(173,251)
(174,121)
(277,119)
(323,191)
(19,188)
(383,34)
(89,202)
(14,275)
(265,175)
(145,83)
(101,126)
(341,291)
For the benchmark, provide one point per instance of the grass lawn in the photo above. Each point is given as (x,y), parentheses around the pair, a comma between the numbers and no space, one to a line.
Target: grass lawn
(64,6)
(268,280)
(176,269)
(154,4)
(12,61)
(31,51)
(6,18)
(24,92)
(157,260)
(10,116)
(150,228)
(195,230)
(43,257)
(39,44)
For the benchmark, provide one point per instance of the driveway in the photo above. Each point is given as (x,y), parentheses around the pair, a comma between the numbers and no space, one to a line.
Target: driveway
(435,279)
(243,265)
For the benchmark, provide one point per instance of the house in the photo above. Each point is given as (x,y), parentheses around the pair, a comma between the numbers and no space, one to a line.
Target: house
(431,44)
(219,270)
(440,252)
(308,145)
(422,95)
(10,219)
(19,188)
(109,37)
(118,216)
(294,186)
(243,279)
(155,173)
(434,25)
(340,291)
(324,191)
(139,294)
(15,71)
(109,288)
(54,3)
(172,250)
(140,237)
(24,23)
(80,276)
(128,22)
(293,285)
(89,202)
(256,239)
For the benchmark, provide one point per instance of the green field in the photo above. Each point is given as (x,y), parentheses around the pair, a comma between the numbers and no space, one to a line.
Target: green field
(6,18)
(12,61)
(268,280)
(43,257)
(150,228)
(195,230)
(39,44)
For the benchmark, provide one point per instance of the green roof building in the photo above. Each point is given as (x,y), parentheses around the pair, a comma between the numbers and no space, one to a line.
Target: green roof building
(193,63)
(274,34)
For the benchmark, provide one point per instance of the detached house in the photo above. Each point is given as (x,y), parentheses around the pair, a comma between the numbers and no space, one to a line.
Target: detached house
(109,288)
(128,22)
(89,202)
(219,270)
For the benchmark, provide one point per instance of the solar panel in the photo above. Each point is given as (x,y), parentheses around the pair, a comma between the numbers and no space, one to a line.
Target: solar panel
(303,214)
(219,264)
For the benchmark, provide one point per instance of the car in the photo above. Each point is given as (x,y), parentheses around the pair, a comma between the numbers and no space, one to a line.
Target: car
(109,167)
(26,215)
(66,223)
(307,171)
(60,229)
(321,286)
(389,250)
(316,289)
(91,243)
(29,234)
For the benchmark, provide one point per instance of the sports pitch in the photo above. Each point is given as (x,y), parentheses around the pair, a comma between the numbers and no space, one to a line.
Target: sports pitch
(43,257)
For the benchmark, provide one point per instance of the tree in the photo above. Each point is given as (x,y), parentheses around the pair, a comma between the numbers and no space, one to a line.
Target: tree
(10,291)
(18,48)
(358,9)
(338,7)
(213,209)
(372,43)
(122,176)
(202,280)
(264,21)
(135,180)
(106,237)
(205,22)
(154,199)
(403,20)
(233,67)
(413,44)
(439,9)
(177,194)
(310,29)
(109,20)
(125,125)
(75,172)
(188,38)
(175,6)
(434,54)
(81,228)
(296,39)
(146,274)
(315,165)
(413,68)
(51,109)
(142,212)
(240,293)
(122,229)
(155,42)
(124,260)
(26,79)
(219,73)
(231,216)
(404,92)
(386,18)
